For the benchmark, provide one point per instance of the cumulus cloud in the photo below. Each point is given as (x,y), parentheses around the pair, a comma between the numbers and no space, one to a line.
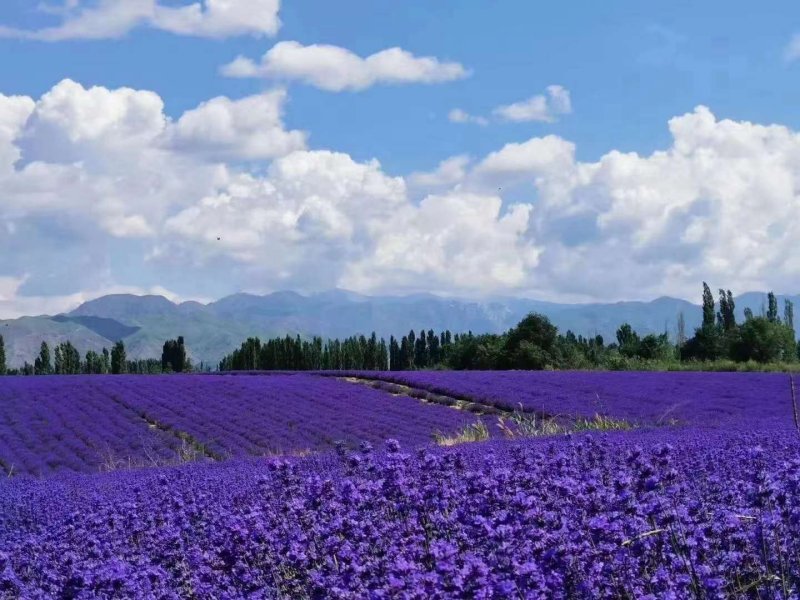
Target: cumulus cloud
(108,19)
(114,158)
(542,107)
(14,112)
(450,171)
(337,69)
(104,174)
(456,241)
(308,215)
(250,128)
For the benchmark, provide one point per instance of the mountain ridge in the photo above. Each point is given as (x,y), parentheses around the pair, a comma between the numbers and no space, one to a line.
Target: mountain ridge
(215,328)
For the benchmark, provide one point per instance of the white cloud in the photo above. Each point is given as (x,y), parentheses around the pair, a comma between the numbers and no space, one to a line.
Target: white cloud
(310,203)
(220,18)
(250,128)
(543,156)
(544,108)
(337,69)
(452,242)
(792,51)
(449,172)
(458,115)
(14,113)
(108,19)
(103,174)
(71,115)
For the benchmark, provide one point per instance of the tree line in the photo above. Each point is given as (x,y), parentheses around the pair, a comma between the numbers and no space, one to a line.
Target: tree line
(535,343)
(65,359)
(422,350)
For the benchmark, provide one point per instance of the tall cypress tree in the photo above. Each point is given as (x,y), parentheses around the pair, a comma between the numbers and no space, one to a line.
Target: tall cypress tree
(3,367)
(788,314)
(726,317)
(59,362)
(43,365)
(708,306)
(772,308)
(119,360)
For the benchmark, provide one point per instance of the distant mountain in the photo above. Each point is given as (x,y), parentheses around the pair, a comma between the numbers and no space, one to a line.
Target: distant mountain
(212,330)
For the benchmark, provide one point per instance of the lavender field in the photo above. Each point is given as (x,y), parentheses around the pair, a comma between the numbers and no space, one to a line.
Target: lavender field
(89,423)
(726,400)
(705,507)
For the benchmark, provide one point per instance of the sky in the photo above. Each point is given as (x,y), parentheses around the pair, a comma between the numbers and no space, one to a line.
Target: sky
(573,151)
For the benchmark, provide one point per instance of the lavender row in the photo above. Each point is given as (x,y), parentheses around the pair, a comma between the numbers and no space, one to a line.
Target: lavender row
(740,400)
(668,513)
(67,424)
(85,424)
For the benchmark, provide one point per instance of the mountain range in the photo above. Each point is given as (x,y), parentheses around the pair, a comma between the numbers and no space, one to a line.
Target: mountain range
(214,329)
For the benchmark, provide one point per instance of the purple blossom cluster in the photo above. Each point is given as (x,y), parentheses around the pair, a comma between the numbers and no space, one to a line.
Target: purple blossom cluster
(698,398)
(91,423)
(665,513)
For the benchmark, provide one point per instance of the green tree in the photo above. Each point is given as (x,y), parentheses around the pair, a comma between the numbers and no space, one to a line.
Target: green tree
(58,366)
(726,318)
(772,308)
(627,340)
(708,306)
(655,347)
(763,340)
(3,366)
(531,344)
(173,355)
(706,344)
(788,313)
(119,362)
(42,364)
(681,332)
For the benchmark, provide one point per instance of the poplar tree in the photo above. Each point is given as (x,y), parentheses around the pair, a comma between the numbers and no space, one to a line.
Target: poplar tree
(119,361)
(772,308)
(42,364)
(788,313)
(708,306)
(3,367)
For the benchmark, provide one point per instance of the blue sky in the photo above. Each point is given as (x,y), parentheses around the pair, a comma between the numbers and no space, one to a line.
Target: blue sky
(561,208)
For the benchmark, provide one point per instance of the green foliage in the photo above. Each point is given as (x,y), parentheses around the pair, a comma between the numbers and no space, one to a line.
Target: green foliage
(3,368)
(726,320)
(763,340)
(627,341)
(173,356)
(531,344)
(67,359)
(42,365)
(788,313)
(772,308)
(706,344)
(708,306)
(470,352)
(295,354)
(119,363)
(94,364)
